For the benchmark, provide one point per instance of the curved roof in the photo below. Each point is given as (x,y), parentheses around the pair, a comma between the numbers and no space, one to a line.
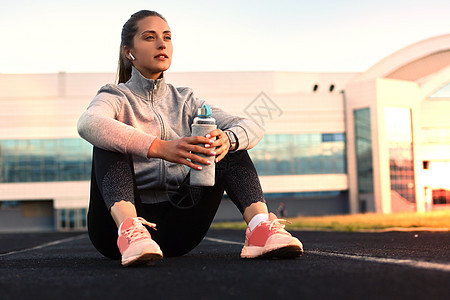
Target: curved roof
(413,62)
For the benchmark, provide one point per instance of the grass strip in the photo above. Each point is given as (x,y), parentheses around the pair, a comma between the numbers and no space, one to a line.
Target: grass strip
(361,222)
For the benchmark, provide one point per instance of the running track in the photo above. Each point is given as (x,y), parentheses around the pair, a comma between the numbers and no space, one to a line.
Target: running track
(389,265)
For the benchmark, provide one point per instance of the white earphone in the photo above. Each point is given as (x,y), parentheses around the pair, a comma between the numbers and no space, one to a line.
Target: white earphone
(132,57)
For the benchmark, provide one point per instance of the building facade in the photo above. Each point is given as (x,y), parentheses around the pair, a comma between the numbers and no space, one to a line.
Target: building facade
(335,143)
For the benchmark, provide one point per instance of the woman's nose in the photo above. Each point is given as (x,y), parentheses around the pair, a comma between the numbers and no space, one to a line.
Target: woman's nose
(161,44)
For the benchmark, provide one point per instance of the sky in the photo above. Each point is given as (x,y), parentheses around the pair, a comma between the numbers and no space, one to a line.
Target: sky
(49,36)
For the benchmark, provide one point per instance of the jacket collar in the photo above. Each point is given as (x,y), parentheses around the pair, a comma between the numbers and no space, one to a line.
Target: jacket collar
(146,88)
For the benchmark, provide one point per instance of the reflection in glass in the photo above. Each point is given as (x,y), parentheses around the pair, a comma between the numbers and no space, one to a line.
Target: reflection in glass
(290,154)
(363,144)
(45,160)
(401,156)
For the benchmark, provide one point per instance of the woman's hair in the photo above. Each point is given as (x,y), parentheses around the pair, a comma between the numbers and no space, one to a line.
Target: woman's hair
(129,30)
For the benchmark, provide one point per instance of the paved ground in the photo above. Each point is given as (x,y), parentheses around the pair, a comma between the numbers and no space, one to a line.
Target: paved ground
(392,265)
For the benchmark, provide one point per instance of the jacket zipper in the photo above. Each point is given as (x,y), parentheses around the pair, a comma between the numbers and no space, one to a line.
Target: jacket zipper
(163,135)
(158,115)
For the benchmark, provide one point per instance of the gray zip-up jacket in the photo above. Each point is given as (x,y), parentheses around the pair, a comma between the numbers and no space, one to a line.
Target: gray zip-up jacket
(127,118)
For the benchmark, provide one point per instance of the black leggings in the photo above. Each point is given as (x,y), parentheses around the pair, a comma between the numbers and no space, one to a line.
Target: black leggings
(179,229)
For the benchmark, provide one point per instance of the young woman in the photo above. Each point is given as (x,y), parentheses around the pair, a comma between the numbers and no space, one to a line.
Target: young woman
(141,132)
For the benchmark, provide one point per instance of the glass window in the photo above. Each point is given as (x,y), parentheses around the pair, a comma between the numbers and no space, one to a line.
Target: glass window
(45,160)
(4,205)
(62,218)
(83,217)
(401,161)
(443,92)
(71,218)
(288,154)
(363,144)
(441,196)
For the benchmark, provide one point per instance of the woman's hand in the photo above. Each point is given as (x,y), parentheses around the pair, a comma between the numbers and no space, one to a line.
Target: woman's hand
(222,143)
(180,151)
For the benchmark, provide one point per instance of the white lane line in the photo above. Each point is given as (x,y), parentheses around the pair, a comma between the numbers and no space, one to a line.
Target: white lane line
(223,241)
(401,262)
(70,239)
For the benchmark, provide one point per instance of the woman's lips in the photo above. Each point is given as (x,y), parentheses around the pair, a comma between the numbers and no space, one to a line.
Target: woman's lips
(162,56)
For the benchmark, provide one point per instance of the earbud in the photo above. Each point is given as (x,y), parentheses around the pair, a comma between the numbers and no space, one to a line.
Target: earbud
(132,57)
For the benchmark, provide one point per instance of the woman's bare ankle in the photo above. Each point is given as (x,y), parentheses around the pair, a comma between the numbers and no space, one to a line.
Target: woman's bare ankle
(122,210)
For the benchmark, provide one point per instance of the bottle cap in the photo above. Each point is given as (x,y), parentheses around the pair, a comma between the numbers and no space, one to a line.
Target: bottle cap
(204,111)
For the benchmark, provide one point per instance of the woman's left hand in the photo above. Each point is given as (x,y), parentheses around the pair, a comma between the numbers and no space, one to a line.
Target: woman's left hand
(222,143)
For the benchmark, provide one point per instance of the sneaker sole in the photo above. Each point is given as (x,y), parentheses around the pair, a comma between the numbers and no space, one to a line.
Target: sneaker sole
(282,252)
(142,259)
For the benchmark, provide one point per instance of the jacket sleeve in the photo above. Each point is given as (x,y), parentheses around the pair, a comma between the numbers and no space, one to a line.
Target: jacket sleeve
(247,132)
(100,127)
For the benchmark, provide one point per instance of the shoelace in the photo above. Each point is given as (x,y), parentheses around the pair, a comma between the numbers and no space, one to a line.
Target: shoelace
(138,231)
(277,226)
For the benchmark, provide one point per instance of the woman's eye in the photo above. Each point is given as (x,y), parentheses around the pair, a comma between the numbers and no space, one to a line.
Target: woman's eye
(168,38)
(149,37)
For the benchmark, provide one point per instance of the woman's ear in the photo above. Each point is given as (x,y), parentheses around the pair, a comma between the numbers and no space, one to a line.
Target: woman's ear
(128,53)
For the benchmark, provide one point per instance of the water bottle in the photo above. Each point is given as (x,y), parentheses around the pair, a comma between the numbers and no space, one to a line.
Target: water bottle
(204,124)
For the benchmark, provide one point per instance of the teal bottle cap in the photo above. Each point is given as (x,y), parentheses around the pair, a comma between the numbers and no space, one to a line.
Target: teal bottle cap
(205,111)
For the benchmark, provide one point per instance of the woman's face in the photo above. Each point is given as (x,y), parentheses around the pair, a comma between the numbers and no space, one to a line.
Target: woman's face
(152,47)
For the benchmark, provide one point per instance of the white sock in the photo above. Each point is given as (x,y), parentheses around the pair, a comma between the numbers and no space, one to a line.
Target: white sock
(120,227)
(257,219)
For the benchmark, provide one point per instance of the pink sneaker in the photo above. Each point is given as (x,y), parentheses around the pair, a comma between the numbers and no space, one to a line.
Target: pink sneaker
(270,240)
(135,243)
